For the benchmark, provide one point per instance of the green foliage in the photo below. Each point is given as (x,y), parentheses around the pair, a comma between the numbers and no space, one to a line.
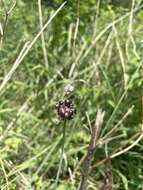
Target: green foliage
(30,144)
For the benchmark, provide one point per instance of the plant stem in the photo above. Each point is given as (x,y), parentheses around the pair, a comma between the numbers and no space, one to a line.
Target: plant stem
(62,153)
(91,149)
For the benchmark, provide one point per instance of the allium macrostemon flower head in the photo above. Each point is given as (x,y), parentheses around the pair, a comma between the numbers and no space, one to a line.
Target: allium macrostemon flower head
(66,109)
(68,89)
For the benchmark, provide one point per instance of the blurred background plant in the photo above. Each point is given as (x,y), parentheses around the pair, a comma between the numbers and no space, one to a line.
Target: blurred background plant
(97,46)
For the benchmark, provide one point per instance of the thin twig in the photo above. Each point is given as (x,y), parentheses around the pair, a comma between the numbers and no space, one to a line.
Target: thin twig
(91,149)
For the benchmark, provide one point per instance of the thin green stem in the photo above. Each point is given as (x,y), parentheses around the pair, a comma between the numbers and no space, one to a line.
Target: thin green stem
(62,153)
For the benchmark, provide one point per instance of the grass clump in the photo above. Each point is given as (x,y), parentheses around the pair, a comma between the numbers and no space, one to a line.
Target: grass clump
(97,47)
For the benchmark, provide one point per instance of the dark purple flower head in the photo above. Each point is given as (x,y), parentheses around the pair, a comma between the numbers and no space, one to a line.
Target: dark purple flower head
(66,110)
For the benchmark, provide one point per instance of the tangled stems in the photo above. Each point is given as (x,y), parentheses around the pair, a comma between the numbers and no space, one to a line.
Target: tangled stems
(62,153)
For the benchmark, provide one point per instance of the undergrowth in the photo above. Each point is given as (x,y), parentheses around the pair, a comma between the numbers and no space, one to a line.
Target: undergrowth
(97,47)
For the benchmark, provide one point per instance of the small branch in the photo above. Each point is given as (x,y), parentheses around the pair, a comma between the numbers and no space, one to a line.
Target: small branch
(91,149)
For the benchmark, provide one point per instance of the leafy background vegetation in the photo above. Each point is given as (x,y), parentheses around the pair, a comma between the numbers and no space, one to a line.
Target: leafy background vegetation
(101,55)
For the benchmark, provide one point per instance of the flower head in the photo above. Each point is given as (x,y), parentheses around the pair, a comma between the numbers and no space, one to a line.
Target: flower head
(69,89)
(66,110)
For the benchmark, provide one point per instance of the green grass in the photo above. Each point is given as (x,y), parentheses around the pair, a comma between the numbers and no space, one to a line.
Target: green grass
(97,47)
